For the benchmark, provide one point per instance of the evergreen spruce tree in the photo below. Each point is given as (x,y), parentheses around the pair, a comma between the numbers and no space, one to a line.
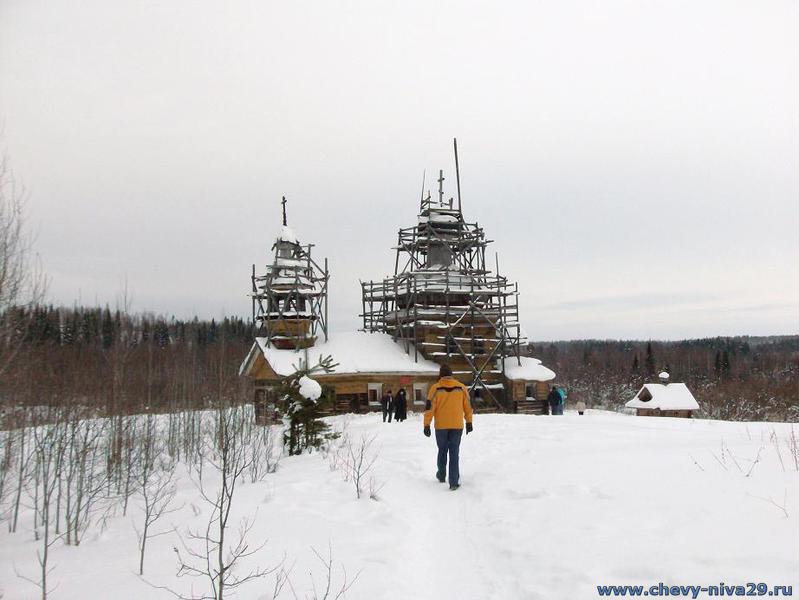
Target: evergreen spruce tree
(587,356)
(650,361)
(35,327)
(636,366)
(68,332)
(161,333)
(89,329)
(52,325)
(302,412)
(107,329)
(725,364)
(202,335)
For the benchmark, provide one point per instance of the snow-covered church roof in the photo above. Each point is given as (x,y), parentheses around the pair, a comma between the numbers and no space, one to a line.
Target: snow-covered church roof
(672,396)
(356,352)
(531,369)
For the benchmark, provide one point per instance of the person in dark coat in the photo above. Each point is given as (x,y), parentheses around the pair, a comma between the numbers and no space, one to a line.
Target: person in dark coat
(387,404)
(553,399)
(400,406)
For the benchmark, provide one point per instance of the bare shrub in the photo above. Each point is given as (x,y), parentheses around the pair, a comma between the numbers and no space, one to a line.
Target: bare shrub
(728,455)
(359,459)
(48,449)
(23,468)
(21,281)
(329,590)
(86,474)
(375,487)
(265,448)
(782,507)
(793,447)
(6,466)
(336,453)
(208,554)
(775,440)
(155,483)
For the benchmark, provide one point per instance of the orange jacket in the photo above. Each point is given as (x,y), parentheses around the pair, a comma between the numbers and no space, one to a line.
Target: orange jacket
(448,403)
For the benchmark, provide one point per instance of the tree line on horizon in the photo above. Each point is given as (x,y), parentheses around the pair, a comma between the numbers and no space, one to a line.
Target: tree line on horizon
(117,362)
(736,378)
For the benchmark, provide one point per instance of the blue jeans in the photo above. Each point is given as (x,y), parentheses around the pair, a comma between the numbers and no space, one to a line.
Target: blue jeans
(449,442)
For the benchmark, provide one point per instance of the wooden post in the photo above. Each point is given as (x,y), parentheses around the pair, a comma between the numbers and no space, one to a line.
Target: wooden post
(457,173)
(399,249)
(421,195)
(326,292)
(254,301)
(415,323)
(446,316)
(363,306)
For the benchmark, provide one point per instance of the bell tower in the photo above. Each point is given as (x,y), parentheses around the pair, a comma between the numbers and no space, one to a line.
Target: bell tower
(289,298)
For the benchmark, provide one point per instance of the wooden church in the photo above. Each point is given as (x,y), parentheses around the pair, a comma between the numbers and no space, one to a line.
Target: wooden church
(442,304)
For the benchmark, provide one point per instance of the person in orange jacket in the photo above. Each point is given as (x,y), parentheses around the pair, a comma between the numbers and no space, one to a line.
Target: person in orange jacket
(448,403)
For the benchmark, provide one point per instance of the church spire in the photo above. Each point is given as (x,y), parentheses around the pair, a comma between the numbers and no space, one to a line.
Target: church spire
(289,299)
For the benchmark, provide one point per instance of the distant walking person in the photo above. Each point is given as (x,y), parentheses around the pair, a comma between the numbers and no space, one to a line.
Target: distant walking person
(448,404)
(561,400)
(387,404)
(400,406)
(552,399)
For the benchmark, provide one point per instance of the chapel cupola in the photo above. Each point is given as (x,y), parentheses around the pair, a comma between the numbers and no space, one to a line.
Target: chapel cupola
(289,299)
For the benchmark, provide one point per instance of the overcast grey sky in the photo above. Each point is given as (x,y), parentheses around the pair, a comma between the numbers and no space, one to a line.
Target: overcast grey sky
(636,162)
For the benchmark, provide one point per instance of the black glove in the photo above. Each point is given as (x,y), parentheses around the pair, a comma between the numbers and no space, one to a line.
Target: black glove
(427,430)
(469,428)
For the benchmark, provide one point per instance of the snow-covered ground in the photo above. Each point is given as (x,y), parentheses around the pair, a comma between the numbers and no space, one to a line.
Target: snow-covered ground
(549,507)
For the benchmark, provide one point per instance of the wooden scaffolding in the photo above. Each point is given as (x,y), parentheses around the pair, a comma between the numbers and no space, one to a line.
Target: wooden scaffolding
(445,304)
(289,300)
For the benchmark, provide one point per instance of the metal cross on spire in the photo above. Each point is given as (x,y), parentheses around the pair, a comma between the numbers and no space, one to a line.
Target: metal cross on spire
(284,211)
